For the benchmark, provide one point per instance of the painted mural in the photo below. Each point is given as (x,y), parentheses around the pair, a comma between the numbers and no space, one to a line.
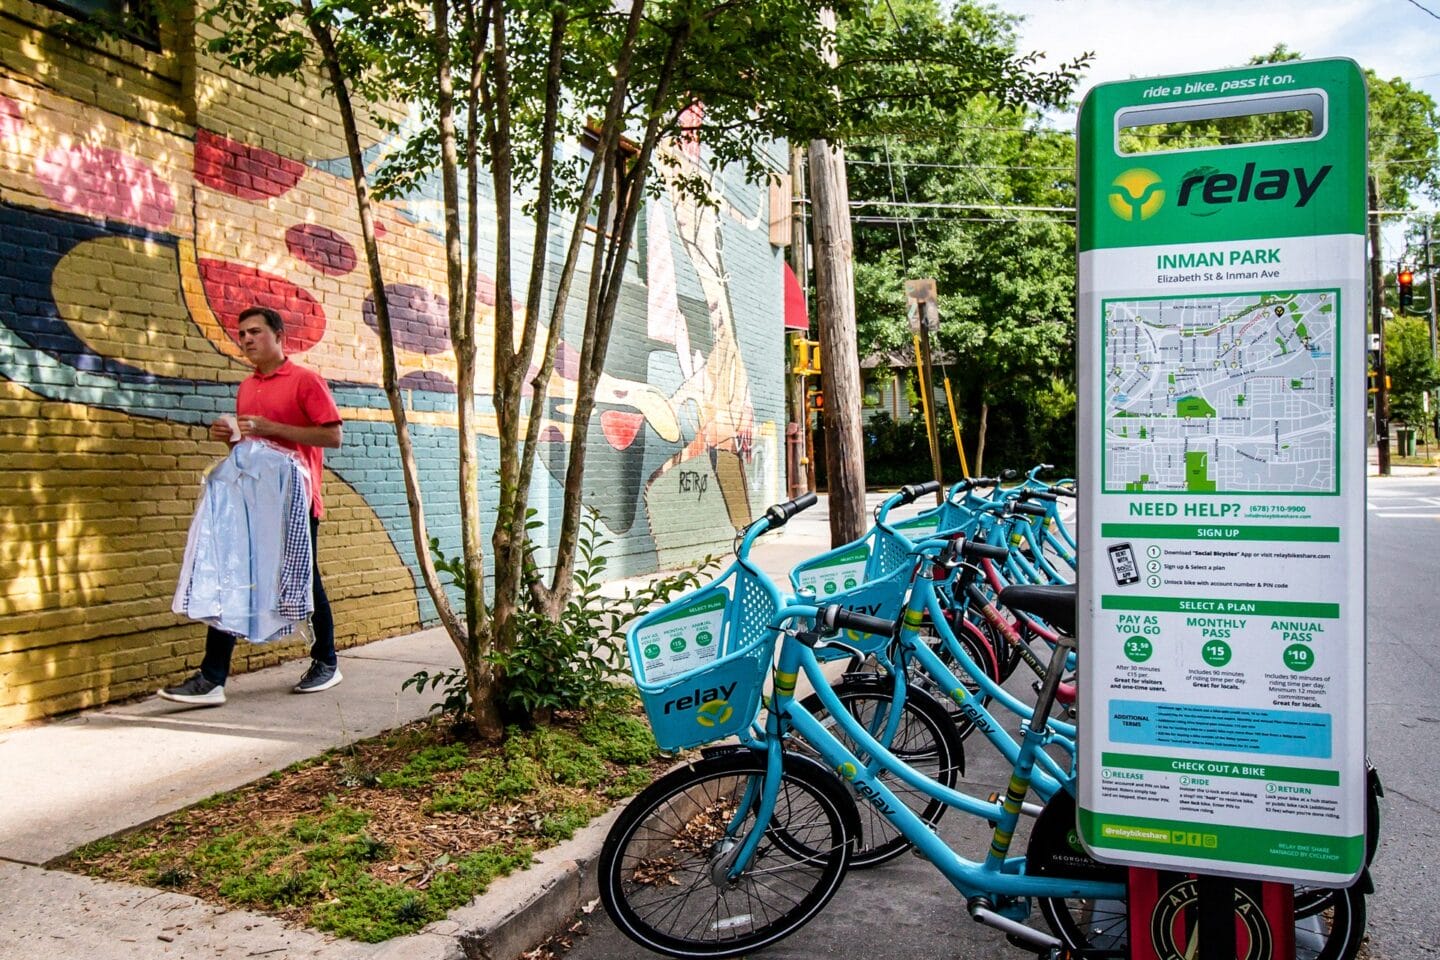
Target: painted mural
(127,254)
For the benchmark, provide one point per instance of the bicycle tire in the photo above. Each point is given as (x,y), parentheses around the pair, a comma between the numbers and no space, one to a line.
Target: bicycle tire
(926,739)
(661,868)
(1313,900)
(1332,930)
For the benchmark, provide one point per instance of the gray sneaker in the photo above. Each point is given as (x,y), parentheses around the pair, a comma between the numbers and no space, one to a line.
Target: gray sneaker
(320,676)
(197,691)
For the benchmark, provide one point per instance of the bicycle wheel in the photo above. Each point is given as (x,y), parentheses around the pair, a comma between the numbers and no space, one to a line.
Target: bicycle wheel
(663,867)
(925,738)
(1328,929)
(1054,850)
(1315,901)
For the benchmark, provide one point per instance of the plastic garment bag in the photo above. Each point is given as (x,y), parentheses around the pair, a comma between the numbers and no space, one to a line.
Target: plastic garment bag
(248,561)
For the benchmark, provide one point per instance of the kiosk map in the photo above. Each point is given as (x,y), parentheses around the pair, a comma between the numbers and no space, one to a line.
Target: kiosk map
(1233,393)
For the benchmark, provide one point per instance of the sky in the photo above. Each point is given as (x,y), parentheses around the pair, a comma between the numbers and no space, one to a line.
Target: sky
(1137,38)
(1140,38)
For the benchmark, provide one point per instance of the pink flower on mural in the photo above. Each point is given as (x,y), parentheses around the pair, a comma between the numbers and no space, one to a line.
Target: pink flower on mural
(105,183)
(231,288)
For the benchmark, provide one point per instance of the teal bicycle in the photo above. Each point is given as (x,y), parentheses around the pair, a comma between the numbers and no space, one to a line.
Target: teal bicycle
(740,848)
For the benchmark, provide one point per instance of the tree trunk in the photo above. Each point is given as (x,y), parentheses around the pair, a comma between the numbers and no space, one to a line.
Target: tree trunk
(840,372)
(389,375)
(835,316)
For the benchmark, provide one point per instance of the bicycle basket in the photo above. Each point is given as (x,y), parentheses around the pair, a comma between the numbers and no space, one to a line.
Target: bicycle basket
(845,568)
(700,661)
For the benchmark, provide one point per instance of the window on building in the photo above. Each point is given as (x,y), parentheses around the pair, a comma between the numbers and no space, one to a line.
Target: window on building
(133,19)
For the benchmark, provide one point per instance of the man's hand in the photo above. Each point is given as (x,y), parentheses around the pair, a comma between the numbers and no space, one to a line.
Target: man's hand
(220,430)
(257,426)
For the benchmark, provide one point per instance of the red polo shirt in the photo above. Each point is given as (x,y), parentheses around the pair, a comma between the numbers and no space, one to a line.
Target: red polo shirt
(298,397)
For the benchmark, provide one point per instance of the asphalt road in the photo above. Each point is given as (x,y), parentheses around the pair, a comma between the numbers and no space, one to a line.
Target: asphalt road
(905,909)
(1404,712)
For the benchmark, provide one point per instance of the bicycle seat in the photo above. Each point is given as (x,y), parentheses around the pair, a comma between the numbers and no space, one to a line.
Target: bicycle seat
(1055,604)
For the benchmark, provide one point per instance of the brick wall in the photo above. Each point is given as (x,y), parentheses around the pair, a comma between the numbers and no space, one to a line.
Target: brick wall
(145,199)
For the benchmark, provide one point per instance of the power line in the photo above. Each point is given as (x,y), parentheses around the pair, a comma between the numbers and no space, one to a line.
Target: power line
(955,166)
(888,221)
(935,205)
(1417,6)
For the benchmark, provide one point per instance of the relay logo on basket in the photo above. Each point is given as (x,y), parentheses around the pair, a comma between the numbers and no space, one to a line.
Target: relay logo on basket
(704,699)
(714,712)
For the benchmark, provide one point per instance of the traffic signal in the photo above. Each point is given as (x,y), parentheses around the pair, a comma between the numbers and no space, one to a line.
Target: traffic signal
(1405,280)
(816,398)
(807,358)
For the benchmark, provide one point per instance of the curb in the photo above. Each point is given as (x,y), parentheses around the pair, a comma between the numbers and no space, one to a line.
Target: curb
(517,911)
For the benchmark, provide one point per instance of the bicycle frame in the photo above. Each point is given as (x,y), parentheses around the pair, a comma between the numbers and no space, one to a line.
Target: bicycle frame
(999,874)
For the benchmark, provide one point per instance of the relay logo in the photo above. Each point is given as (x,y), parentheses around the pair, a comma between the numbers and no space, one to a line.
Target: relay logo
(1207,189)
(1137,194)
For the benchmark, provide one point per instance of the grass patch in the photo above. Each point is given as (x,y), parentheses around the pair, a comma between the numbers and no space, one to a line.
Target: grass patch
(381,838)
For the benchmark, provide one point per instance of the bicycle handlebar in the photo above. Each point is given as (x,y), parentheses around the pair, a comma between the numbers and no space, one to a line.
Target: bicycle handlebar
(1029,509)
(914,491)
(975,550)
(1047,495)
(780,513)
(832,619)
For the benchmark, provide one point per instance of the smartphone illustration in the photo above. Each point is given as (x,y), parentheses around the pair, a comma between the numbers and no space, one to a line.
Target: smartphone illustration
(1123,565)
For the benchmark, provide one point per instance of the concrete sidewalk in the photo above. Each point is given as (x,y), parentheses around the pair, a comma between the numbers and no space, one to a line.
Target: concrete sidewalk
(103,771)
(1372,465)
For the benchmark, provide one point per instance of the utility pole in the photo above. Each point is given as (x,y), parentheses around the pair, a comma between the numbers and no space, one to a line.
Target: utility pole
(1430,282)
(835,310)
(1377,300)
(1430,285)
(800,482)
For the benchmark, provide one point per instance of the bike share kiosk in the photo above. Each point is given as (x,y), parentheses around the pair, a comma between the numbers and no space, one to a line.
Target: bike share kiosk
(1222,453)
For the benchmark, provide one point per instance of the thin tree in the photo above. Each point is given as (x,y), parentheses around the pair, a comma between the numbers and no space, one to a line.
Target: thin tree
(495,89)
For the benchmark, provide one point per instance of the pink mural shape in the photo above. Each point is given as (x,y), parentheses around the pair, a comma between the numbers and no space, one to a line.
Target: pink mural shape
(621,427)
(567,362)
(101,182)
(321,248)
(232,288)
(251,173)
(485,294)
(10,121)
(419,319)
(691,119)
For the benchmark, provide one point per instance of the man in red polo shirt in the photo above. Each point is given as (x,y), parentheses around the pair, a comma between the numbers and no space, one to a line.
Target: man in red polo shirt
(291,407)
